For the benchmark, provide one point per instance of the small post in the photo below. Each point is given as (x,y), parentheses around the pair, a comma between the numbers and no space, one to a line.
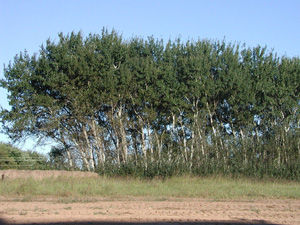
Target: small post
(2,176)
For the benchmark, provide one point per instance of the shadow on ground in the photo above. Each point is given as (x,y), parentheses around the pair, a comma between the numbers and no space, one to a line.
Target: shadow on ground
(246,222)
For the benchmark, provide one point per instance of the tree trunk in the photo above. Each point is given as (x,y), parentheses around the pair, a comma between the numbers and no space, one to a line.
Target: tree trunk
(184,140)
(69,156)
(123,135)
(70,160)
(86,164)
(159,145)
(143,142)
(98,143)
(192,150)
(89,149)
(214,130)
(150,142)
(170,152)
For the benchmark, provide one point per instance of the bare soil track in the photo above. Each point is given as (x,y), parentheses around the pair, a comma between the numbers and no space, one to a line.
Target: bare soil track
(173,211)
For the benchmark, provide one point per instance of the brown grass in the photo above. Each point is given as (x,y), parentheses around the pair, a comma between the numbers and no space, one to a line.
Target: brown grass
(41,174)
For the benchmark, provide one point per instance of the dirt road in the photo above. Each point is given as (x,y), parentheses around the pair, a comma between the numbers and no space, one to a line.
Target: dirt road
(171,211)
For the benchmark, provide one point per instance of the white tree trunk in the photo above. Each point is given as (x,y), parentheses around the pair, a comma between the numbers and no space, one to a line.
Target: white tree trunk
(89,149)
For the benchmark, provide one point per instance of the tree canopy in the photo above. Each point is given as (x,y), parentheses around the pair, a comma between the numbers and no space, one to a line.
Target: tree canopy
(203,105)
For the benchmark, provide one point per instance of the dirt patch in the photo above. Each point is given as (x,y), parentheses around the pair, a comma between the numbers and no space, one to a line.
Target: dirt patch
(40,174)
(174,211)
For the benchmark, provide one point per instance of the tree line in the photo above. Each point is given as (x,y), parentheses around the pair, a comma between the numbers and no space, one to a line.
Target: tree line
(144,106)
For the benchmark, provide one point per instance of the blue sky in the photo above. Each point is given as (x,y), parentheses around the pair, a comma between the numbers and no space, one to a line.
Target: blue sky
(28,24)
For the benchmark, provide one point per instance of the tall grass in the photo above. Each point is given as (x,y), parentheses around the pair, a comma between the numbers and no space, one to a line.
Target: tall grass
(183,187)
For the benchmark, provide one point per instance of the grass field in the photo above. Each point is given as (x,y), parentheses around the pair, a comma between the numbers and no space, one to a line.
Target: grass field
(185,187)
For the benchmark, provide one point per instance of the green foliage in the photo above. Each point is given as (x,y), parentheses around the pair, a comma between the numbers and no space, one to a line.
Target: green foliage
(146,108)
(14,158)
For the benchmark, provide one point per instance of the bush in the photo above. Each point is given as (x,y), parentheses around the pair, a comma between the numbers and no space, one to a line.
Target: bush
(14,158)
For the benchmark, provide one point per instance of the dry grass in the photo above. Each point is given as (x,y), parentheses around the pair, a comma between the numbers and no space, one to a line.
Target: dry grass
(41,174)
(69,188)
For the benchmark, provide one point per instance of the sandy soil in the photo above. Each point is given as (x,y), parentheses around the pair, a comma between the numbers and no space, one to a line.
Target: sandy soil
(172,211)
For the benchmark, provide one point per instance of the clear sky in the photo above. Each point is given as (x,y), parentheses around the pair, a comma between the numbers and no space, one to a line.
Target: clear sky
(28,24)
